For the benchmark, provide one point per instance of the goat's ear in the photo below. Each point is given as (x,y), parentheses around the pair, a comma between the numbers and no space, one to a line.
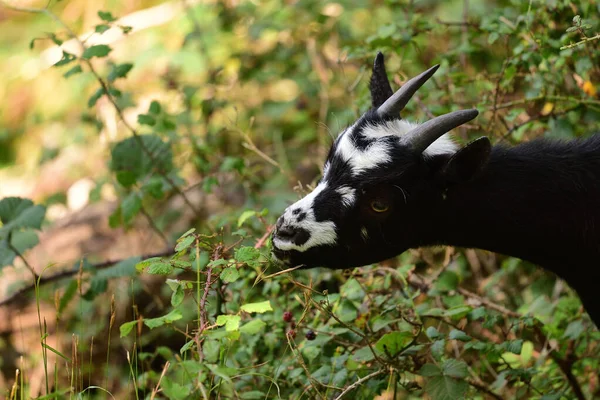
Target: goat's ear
(469,162)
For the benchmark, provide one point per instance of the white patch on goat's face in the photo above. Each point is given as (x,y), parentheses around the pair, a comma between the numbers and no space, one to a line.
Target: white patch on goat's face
(378,152)
(300,215)
(348,195)
(364,233)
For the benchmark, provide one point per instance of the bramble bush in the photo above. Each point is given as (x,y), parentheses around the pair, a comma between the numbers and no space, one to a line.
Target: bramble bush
(237,101)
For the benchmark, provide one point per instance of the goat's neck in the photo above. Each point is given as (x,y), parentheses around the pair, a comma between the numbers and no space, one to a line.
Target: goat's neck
(539,207)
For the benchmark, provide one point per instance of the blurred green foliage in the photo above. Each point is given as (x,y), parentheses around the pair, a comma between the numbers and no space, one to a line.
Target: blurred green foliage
(243,99)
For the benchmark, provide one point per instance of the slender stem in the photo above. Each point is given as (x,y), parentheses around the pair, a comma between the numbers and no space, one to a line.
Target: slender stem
(359,382)
(588,39)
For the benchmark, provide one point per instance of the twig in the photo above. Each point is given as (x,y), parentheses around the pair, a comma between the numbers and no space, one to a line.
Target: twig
(484,389)
(18,253)
(359,382)
(156,389)
(70,272)
(260,243)
(153,225)
(589,39)
(548,97)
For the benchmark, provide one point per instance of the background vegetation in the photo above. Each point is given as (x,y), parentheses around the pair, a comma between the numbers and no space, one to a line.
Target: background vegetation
(147,147)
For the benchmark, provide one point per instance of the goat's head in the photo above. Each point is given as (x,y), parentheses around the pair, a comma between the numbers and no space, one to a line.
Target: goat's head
(381,177)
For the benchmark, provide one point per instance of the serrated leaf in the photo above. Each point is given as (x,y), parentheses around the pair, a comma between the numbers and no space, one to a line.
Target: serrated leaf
(128,156)
(231,322)
(513,346)
(119,71)
(448,280)
(446,382)
(247,255)
(126,328)
(230,274)
(260,307)
(98,50)
(217,263)
(393,342)
(455,334)
(574,330)
(253,327)
(160,268)
(455,368)
(140,266)
(184,243)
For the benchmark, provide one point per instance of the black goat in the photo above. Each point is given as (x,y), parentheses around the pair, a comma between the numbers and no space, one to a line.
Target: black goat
(389,185)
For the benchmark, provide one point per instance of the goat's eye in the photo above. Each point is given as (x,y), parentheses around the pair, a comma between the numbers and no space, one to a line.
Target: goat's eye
(379,206)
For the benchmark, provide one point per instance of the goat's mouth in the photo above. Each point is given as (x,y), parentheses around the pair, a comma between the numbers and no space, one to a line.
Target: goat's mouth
(280,256)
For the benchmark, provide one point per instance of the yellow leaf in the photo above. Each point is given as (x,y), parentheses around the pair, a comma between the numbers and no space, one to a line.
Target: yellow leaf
(547,109)
(589,89)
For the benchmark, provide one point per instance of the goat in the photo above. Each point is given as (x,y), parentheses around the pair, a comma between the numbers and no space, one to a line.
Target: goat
(389,185)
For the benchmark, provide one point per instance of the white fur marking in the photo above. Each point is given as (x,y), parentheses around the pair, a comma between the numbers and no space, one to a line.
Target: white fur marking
(374,155)
(321,233)
(399,127)
(347,194)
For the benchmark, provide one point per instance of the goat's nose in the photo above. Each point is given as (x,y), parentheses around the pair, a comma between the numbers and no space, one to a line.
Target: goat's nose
(286,232)
(289,233)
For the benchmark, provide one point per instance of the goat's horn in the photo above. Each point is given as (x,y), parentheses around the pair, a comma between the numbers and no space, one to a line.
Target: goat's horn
(380,85)
(396,103)
(425,134)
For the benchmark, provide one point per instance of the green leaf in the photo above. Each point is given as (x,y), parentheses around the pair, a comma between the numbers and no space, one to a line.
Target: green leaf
(247,255)
(447,281)
(95,97)
(260,307)
(455,368)
(513,346)
(174,390)
(126,328)
(177,296)
(154,107)
(101,28)
(245,216)
(187,346)
(253,327)
(67,58)
(130,207)
(393,342)
(230,274)
(433,333)
(231,322)
(145,119)
(128,156)
(17,213)
(73,71)
(24,240)
(160,268)
(106,16)
(455,334)
(119,71)
(184,243)
(98,50)
(447,382)
(147,262)
(574,330)
(165,319)
(253,395)
(363,354)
